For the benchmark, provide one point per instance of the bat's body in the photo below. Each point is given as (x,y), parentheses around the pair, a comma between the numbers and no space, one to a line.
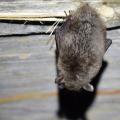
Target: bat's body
(81,44)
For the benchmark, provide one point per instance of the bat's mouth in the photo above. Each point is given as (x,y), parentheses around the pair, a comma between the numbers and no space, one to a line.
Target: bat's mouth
(73,85)
(62,85)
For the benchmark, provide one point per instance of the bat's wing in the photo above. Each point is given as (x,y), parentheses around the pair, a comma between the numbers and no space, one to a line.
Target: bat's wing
(108,42)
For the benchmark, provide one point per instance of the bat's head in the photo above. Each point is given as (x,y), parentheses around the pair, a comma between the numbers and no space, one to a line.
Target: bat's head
(74,83)
(74,76)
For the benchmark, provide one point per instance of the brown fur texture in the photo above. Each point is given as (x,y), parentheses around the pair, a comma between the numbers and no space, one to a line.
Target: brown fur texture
(81,44)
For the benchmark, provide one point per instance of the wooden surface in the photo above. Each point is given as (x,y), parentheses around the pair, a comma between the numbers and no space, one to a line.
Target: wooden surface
(12,29)
(26,78)
(27,72)
(40,10)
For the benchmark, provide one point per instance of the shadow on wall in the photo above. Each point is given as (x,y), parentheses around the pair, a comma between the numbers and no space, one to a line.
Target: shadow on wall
(74,105)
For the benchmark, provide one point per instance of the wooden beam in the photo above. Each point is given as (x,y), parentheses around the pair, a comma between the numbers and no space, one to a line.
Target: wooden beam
(32,19)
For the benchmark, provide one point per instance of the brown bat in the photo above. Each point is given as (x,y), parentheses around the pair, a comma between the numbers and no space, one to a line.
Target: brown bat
(81,44)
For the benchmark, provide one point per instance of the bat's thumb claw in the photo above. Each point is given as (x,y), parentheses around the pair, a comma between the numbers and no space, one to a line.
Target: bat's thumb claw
(88,87)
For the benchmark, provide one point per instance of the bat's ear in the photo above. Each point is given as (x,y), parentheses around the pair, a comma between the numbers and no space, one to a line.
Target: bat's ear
(88,87)
(108,42)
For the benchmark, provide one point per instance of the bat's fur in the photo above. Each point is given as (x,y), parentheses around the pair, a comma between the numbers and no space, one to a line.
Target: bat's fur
(81,45)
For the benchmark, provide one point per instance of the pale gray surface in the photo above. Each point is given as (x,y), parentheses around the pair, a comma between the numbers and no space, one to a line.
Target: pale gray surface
(8,29)
(113,58)
(27,72)
(35,9)
(27,66)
